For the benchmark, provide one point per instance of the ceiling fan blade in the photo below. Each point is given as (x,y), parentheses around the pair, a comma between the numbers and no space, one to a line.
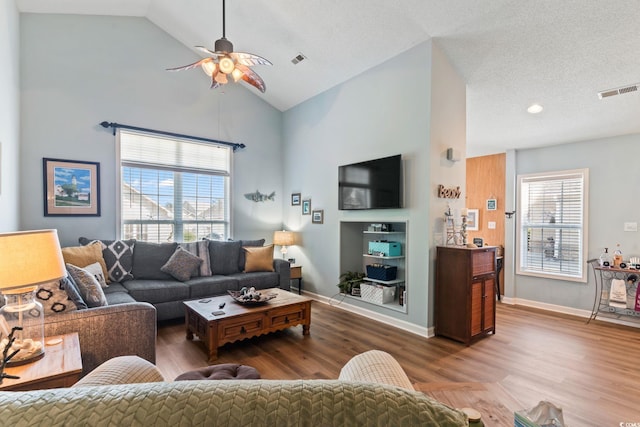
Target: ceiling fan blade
(190,66)
(249,59)
(208,51)
(251,77)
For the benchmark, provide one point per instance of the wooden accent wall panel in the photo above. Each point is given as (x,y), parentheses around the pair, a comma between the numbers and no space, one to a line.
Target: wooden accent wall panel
(485,180)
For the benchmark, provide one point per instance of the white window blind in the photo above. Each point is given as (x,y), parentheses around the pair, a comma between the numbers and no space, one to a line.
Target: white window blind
(173,189)
(552,220)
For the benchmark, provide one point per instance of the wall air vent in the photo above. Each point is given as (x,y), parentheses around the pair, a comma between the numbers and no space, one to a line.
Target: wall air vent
(618,91)
(298,58)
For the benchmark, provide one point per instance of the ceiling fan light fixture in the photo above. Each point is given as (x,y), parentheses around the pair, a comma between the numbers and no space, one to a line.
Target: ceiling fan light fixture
(225,61)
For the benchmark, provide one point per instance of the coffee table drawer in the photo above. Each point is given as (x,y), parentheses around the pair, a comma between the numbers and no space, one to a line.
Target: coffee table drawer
(244,327)
(288,315)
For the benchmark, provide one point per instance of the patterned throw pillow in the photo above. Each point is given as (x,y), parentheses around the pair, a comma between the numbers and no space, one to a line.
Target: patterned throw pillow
(73,292)
(96,270)
(54,298)
(258,258)
(182,265)
(201,250)
(118,256)
(88,286)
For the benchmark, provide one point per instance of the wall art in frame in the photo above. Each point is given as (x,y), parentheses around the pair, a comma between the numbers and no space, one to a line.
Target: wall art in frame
(492,204)
(317,216)
(306,207)
(295,199)
(71,187)
(472,219)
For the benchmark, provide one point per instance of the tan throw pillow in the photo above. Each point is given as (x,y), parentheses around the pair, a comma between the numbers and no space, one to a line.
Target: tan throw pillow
(258,258)
(81,256)
(89,288)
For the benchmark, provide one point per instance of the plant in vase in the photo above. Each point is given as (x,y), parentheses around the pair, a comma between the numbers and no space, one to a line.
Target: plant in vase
(349,280)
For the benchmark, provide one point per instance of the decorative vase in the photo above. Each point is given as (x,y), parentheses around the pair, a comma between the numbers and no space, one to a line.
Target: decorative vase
(23,310)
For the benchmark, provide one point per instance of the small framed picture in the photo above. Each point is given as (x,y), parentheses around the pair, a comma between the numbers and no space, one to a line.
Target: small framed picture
(306,207)
(472,219)
(492,204)
(295,199)
(317,216)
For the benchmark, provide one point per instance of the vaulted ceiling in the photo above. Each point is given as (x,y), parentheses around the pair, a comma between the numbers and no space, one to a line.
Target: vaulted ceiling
(511,53)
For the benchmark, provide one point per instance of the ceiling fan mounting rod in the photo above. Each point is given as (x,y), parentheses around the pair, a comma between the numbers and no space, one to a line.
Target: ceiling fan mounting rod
(224,33)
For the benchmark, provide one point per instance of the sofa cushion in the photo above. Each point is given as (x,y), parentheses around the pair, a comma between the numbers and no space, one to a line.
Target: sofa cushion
(211,286)
(246,243)
(258,258)
(88,286)
(224,256)
(182,265)
(96,270)
(201,250)
(114,298)
(118,257)
(81,256)
(54,298)
(148,259)
(259,280)
(155,291)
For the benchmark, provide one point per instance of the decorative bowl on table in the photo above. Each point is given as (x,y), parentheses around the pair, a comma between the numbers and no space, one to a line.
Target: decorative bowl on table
(251,298)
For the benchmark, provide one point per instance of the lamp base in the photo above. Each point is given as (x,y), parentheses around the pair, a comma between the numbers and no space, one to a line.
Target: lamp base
(26,360)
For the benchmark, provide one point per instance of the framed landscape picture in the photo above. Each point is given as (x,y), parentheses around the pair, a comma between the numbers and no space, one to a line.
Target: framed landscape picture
(71,187)
(472,219)
(295,199)
(317,216)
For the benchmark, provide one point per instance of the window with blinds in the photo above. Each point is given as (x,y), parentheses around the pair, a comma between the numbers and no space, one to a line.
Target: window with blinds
(552,216)
(173,189)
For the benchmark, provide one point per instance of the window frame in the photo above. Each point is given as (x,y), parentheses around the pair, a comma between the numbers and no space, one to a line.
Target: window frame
(119,165)
(521,241)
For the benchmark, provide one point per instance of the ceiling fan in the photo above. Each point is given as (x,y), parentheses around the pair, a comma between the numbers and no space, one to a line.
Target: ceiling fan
(224,63)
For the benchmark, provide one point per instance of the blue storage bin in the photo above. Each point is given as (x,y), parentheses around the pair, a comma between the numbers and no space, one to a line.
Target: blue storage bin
(382,272)
(385,248)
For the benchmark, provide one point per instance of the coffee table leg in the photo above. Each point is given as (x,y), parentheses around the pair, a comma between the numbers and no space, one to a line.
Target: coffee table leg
(189,334)
(305,329)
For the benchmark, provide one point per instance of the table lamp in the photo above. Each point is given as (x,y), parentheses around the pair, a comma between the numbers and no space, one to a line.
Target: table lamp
(283,238)
(28,259)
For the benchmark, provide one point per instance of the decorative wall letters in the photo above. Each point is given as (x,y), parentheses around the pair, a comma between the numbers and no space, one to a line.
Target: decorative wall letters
(448,193)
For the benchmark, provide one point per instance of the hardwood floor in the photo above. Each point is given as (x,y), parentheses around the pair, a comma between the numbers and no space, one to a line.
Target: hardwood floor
(591,371)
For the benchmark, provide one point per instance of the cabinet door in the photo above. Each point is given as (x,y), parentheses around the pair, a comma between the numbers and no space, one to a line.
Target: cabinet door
(489,318)
(477,316)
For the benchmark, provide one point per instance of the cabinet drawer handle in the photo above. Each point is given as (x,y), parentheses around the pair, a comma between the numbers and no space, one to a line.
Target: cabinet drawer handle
(286,319)
(243,330)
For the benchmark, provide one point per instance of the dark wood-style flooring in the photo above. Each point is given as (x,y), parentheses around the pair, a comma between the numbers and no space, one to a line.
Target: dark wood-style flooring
(591,371)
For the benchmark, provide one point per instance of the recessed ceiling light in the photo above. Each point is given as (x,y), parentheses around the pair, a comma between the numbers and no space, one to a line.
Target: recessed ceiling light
(535,108)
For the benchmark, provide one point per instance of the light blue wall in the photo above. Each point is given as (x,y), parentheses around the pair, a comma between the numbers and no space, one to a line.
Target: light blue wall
(9,116)
(78,71)
(614,192)
(384,111)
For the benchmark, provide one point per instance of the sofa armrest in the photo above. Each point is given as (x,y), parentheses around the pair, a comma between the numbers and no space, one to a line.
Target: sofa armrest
(283,268)
(122,370)
(110,331)
(377,367)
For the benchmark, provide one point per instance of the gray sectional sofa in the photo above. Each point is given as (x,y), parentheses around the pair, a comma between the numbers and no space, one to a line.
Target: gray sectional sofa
(152,285)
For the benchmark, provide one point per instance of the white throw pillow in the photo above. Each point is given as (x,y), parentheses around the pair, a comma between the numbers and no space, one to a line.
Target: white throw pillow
(96,270)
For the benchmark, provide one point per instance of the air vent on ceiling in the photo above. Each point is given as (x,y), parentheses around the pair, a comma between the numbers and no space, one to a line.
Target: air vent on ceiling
(298,58)
(618,91)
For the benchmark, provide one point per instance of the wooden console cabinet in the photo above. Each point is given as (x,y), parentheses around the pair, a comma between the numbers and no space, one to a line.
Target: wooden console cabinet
(465,298)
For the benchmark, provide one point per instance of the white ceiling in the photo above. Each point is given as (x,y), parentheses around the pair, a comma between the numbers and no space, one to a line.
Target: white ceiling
(511,53)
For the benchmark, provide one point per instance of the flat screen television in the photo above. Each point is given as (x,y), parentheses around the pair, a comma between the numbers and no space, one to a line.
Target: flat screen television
(374,184)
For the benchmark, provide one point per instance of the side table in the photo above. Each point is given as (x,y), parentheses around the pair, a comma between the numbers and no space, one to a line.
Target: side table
(61,366)
(296,273)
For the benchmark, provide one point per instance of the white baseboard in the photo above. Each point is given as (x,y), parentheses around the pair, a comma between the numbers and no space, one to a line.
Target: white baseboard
(566,310)
(373,315)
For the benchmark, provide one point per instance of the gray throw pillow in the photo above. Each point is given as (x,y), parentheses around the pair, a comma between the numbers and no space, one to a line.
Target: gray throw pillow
(182,265)
(224,256)
(118,255)
(89,288)
(73,292)
(201,250)
(148,259)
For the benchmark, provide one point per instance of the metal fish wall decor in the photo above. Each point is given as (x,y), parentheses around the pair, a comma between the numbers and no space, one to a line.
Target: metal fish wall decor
(257,196)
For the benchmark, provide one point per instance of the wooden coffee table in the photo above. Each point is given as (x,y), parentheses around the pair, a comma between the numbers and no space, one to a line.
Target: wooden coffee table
(244,321)
(495,404)
(61,366)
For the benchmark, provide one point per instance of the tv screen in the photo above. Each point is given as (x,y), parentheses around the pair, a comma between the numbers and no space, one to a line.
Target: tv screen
(374,184)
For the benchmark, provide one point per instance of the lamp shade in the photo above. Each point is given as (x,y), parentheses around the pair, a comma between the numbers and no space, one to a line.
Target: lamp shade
(30,258)
(283,238)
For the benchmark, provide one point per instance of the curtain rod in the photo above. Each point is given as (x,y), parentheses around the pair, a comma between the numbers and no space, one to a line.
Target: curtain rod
(114,125)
